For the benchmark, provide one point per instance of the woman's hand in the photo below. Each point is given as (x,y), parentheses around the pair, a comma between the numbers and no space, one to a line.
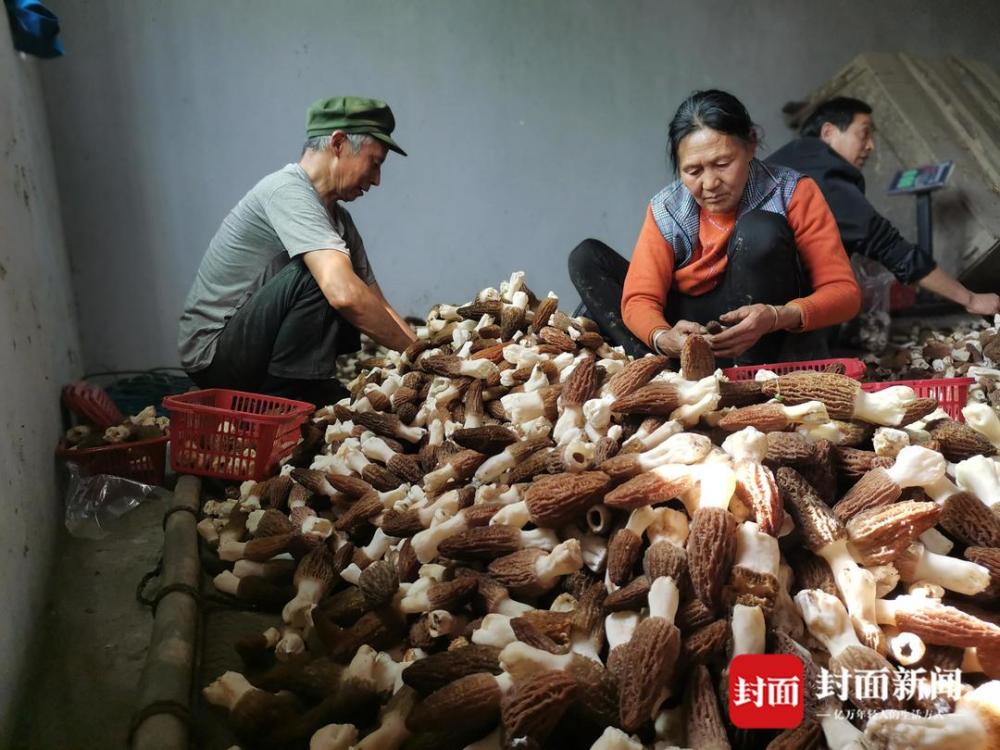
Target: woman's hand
(746,326)
(670,341)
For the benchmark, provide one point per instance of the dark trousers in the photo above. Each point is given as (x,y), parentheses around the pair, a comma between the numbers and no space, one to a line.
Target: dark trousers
(283,342)
(763,267)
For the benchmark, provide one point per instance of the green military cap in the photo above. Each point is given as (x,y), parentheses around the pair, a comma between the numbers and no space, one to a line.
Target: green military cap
(352,114)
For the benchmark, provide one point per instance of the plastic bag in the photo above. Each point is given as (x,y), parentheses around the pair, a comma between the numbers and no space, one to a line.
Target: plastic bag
(94,503)
(870,329)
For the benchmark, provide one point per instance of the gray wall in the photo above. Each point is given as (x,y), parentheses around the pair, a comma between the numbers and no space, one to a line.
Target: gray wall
(39,351)
(530,125)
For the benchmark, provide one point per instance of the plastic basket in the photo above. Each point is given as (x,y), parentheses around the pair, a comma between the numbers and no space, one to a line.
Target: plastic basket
(232,435)
(853,368)
(143,460)
(952,394)
(92,403)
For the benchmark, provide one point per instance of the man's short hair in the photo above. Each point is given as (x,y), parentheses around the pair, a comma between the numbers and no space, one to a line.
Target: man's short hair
(839,111)
(321,142)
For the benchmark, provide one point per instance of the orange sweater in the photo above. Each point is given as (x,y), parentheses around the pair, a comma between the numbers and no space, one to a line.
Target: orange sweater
(651,273)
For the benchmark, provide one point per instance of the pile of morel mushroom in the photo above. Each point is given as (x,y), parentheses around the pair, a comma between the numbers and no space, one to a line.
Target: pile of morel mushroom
(512,535)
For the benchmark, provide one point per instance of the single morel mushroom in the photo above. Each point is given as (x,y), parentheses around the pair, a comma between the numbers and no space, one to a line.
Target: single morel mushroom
(936,623)
(914,467)
(916,563)
(576,390)
(471,702)
(597,694)
(843,397)
(711,543)
(680,448)
(773,417)
(554,500)
(703,720)
(880,535)
(313,578)
(826,536)
(253,713)
(458,467)
(532,572)
(532,710)
(491,469)
(697,359)
(651,656)
(636,374)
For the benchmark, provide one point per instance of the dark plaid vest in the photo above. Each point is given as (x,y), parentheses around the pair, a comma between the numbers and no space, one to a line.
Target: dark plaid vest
(769,188)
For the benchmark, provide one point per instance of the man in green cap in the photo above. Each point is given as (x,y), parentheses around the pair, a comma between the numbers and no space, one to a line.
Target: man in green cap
(285,285)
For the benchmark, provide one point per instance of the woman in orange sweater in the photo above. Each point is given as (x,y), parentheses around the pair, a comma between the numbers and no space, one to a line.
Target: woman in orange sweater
(750,245)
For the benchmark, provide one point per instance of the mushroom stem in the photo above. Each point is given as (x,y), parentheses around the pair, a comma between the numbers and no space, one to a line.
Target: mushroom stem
(984,420)
(334,737)
(906,648)
(494,630)
(392,731)
(916,466)
(827,620)
(749,630)
(619,628)
(515,515)
(978,476)
(961,576)
(935,541)
(599,519)
(664,598)
(885,407)
(566,558)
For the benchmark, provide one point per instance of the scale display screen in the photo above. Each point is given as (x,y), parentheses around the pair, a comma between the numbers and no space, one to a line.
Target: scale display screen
(921,179)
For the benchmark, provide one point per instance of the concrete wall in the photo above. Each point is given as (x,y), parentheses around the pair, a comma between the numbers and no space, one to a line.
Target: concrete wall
(530,125)
(39,351)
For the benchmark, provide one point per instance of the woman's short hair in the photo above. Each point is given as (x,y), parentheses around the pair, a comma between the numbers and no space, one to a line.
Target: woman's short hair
(715,109)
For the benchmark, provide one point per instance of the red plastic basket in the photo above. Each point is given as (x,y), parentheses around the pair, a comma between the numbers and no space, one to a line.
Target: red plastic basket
(853,368)
(144,460)
(952,394)
(233,435)
(93,403)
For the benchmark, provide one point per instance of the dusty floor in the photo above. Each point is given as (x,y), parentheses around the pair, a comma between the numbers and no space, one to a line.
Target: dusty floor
(90,656)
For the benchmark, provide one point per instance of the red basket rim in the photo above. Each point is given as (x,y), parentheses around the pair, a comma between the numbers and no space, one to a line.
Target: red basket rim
(179,403)
(925,382)
(63,451)
(850,363)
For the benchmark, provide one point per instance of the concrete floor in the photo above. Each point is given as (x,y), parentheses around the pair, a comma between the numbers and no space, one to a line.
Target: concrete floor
(91,652)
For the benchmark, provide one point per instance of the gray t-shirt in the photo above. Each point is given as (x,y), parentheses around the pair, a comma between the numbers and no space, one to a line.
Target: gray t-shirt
(280,218)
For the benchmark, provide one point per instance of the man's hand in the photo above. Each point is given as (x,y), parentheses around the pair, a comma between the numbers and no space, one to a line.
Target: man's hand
(948,287)
(983,304)
(363,307)
(746,325)
(671,341)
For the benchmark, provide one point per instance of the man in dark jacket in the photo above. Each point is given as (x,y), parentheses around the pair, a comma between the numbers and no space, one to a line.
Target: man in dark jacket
(836,140)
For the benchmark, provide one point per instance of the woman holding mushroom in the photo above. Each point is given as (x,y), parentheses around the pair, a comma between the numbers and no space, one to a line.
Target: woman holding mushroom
(733,240)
